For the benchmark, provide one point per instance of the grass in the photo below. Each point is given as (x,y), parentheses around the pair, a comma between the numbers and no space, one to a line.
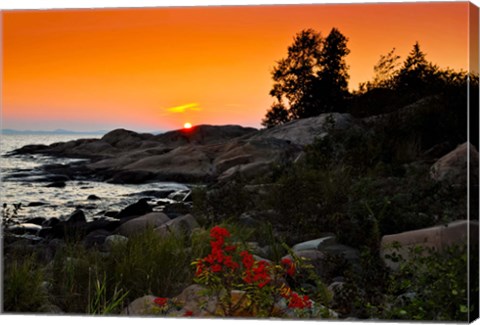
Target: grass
(23,285)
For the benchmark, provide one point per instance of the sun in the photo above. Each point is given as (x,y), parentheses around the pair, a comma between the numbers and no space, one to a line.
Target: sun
(187,125)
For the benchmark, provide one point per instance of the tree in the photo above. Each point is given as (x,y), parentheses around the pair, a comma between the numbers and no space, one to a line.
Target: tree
(275,116)
(293,79)
(331,84)
(385,70)
(415,73)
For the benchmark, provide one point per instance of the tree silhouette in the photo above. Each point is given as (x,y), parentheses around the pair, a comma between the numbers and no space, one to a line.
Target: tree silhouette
(293,77)
(312,79)
(331,84)
(385,70)
(416,73)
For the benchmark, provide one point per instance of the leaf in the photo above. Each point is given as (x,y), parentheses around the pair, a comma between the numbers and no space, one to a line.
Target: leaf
(463,309)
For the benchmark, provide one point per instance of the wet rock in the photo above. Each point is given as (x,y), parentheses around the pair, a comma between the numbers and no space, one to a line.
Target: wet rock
(25,228)
(37,220)
(77,216)
(160,194)
(36,204)
(93,197)
(111,214)
(50,222)
(59,184)
(137,209)
(132,177)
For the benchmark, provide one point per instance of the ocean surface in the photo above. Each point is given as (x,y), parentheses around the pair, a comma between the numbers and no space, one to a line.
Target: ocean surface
(57,202)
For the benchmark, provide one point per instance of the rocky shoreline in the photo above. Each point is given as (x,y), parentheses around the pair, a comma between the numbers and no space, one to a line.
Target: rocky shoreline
(202,154)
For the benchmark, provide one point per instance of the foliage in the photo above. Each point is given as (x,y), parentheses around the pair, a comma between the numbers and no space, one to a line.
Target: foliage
(331,82)
(86,281)
(100,303)
(23,281)
(312,79)
(432,285)
(245,286)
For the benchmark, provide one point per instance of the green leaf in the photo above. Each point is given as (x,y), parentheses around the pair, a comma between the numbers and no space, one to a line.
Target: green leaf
(463,309)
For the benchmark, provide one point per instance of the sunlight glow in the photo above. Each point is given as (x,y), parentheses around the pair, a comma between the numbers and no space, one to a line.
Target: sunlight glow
(187,125)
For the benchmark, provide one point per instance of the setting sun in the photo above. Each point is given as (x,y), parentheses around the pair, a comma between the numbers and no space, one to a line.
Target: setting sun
(187,125)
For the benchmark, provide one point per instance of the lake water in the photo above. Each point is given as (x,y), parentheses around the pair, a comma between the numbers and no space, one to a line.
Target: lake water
(59,202)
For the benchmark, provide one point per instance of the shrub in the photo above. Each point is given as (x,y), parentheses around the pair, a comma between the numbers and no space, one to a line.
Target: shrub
(432,285)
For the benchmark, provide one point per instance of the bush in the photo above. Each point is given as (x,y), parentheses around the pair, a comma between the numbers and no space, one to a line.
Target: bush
(432,285)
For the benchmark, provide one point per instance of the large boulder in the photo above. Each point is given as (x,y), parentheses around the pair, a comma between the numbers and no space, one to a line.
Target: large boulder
(304,131)
(181,225)
(453,167)
(436,238)
(140,224)
(183,163)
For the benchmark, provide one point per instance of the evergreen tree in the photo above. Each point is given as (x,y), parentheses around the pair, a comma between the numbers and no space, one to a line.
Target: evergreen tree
(331,84)
(293,77)
(413,77)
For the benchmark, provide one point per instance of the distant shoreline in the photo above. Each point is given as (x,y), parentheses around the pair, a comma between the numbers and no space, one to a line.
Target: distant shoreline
(53,132)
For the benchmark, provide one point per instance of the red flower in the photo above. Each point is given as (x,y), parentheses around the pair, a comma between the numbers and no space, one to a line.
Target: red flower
(228,262)
(247,260)
(230,248)
(219,232)
(289,265)
(299,302)
(216,268)
(160,301)
(188,313)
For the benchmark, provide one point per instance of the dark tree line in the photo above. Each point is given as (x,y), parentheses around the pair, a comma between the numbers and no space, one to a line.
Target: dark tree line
(313,79)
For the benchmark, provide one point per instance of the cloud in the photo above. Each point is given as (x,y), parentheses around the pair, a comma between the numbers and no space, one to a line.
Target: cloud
(184,108)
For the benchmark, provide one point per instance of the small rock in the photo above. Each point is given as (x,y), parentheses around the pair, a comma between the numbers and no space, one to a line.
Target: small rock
(141,306)
(36,204)
(58,184)
(93,197)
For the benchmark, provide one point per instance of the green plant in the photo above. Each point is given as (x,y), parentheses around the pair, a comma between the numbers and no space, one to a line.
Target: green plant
(244,286)
(100,302)
(431,285)
(23,285)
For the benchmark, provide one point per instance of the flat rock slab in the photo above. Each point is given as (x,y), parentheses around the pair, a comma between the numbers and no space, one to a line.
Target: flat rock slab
(437,238)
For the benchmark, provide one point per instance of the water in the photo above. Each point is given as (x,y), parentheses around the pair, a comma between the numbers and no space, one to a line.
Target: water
(60,202)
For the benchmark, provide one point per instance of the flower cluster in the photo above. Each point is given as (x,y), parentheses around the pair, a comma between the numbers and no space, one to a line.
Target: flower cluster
(299,302)
(161,302)
(226,269)
(289,266)
(218,260)
(255,272)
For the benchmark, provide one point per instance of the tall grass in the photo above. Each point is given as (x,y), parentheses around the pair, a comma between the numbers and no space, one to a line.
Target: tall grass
(23,285)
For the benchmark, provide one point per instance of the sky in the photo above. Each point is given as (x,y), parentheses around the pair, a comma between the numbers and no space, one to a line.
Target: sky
(154,69)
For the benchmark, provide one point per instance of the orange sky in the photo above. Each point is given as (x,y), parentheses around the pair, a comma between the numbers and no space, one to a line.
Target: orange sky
(154,69)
